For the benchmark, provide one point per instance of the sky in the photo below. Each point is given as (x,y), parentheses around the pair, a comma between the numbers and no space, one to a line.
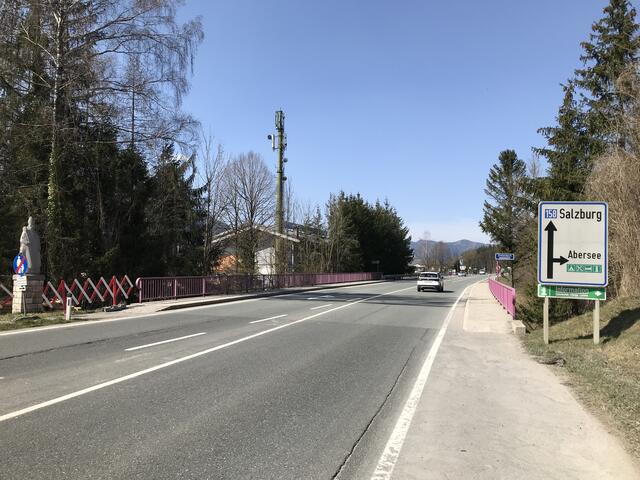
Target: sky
(405,100)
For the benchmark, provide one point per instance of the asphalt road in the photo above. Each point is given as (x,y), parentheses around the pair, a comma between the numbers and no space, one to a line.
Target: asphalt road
(298,386)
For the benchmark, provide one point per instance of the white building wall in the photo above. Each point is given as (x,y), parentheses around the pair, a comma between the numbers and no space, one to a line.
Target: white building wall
(265,260)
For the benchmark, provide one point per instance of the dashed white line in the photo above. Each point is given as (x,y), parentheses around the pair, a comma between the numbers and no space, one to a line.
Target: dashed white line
(115,381)
(321,306)
(353,299)
(270,318)
(163,341)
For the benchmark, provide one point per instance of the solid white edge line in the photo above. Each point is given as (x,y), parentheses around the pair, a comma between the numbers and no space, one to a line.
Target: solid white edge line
(270,318)
(321,306)
(115,381)
(163,341)
(84,323)
(391,452)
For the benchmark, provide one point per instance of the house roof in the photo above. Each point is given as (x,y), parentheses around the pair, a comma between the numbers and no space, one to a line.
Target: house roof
(268,230)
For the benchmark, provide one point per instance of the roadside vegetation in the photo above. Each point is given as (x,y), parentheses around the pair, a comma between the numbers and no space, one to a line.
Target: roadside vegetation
(12,321)
(606,376)
(591,153)
(119,179)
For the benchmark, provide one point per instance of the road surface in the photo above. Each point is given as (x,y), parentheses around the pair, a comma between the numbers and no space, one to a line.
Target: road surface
(296,386)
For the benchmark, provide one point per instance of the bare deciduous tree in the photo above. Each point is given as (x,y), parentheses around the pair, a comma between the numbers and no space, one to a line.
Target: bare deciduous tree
(214,201)
(249,188)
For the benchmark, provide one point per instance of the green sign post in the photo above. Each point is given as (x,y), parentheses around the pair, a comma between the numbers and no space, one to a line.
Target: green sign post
(578,293)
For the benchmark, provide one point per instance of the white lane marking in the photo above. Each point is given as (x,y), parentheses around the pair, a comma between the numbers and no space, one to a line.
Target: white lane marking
(163,341)
(391,452)
(353,299)
(115,381)
(169,312)
(321,306)
(312,298)
(270,318)
(85,322)
(326,296)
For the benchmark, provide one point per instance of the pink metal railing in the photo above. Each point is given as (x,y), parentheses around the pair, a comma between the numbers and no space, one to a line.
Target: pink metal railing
(505,295)
(163,288)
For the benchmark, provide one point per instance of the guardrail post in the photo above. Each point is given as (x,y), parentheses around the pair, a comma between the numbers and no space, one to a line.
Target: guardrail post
(139,287)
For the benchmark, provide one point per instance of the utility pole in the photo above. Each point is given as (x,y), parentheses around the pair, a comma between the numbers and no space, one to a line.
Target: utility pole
(281,259)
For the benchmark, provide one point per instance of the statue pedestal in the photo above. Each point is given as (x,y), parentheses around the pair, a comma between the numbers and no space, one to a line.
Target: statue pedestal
(27,293)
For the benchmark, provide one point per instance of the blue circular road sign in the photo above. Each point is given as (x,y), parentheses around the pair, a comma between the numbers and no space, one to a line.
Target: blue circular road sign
(20,265)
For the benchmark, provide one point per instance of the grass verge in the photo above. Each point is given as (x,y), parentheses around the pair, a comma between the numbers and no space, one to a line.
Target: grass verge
(12,321)
(606,376)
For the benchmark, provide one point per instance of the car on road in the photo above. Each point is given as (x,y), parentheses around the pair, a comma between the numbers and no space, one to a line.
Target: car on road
(482,271)
(430,281)
(462,273)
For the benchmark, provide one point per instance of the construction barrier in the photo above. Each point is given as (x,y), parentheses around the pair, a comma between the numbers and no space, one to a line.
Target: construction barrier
(87,292)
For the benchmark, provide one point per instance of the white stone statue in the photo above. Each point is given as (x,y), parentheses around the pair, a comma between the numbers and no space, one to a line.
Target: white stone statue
(30,247)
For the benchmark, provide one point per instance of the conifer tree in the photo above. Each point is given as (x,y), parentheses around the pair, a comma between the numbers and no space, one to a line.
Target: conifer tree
(612,47)
(505,187)
(568,152)
(591,115)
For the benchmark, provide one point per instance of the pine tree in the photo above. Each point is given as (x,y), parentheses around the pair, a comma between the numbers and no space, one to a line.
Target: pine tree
(569,152)
(590,117)
(505,187)
(174,216)
(612,48)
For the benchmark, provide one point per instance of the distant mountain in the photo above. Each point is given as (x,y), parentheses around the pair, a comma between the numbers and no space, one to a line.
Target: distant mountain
(454,249)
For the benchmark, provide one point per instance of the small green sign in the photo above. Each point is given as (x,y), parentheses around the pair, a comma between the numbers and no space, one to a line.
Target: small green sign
(583,268)
(578,293)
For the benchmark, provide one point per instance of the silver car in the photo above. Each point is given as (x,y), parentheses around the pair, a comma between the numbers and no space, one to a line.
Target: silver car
(430,281)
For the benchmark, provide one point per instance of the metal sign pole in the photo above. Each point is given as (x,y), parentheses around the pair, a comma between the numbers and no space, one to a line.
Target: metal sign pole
(545,321)
(596,323)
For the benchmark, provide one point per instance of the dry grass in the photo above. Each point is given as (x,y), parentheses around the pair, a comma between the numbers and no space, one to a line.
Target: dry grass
(605,376)
(10,321)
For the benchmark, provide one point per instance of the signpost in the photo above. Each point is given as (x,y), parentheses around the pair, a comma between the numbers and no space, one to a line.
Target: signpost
(573,255)
(509,257)
(572,243)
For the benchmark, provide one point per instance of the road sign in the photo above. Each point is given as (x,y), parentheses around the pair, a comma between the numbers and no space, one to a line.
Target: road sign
(572,243)
(505,257)
(20,265)
(578,293)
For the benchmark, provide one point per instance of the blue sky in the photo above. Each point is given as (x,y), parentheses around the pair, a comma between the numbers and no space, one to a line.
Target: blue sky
(408,100)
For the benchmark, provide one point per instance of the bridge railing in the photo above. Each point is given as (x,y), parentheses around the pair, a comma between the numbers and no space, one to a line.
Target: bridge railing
(166,288)
(505,295)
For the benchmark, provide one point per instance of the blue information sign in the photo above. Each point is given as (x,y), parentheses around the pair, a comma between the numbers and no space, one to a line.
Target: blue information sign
(20,265)
(505,256)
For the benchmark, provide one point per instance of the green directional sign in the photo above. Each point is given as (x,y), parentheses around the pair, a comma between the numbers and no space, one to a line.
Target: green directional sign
(578,293)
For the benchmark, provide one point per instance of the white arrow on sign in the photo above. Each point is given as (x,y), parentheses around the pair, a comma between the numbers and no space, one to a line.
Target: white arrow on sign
(598,293)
